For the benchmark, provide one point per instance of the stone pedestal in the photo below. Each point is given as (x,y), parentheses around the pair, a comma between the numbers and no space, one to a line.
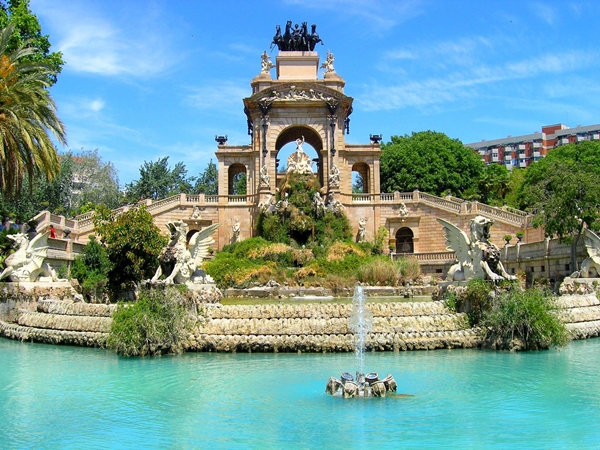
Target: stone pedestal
(297,65)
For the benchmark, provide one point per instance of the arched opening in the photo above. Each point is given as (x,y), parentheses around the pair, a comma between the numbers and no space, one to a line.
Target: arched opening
(360,178)
(404,241)
(237,179)
(286,145)
(189,235)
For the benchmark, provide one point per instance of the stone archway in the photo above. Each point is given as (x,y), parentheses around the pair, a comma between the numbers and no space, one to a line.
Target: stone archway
(405,240)
(234,173)
(363,171)
(311,137)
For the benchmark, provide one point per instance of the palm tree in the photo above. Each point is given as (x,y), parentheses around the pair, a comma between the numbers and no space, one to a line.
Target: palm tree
(27,115)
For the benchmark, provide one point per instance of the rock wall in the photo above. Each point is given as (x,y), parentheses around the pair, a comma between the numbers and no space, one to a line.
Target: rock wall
(302,327)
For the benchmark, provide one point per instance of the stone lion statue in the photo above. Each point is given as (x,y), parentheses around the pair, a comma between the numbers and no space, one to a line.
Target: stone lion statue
(477,256)
(590,267)
(27,262)
(178,263)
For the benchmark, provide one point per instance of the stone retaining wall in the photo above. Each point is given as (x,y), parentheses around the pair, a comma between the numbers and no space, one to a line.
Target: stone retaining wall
(305,327)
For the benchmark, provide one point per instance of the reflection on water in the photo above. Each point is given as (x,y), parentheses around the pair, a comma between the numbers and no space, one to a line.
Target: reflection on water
(67,397)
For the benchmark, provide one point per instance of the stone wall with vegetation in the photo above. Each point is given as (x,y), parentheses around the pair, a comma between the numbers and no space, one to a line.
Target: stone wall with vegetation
(305,327)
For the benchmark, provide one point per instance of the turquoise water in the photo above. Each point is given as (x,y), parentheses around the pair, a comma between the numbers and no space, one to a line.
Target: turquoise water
(67,397)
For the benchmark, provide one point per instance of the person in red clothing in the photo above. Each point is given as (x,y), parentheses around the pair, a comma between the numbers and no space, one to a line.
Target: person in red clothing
(52,232)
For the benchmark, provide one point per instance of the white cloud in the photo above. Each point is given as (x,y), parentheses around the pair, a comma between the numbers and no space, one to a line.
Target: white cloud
(462,85)
(224,96)
(544,12)
(97,105)
(92,43)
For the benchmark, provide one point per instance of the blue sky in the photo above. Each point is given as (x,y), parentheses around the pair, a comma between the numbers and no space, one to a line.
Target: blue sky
(151,78)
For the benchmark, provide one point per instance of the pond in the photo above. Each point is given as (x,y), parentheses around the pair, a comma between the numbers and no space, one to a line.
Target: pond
(69,397)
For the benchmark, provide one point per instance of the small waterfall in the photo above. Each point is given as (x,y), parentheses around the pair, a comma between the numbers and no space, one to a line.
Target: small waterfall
(360,322)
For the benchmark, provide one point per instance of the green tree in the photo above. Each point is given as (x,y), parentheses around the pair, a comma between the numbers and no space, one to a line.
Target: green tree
(27,114)
(561,190)
(92,268)
(494,184)
(133,244)
(158,181)
(431,162)
(95,182)
(208,181)
(239,184)
(28,32)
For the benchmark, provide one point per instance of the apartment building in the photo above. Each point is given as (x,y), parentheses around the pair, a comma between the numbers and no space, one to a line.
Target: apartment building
(521,151)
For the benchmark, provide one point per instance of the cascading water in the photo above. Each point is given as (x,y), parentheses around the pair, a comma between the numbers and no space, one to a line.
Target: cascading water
(360,322)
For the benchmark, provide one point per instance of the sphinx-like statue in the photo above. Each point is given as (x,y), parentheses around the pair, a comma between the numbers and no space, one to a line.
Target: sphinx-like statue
(590,267)
(477,256)
(27,262)
(178,263)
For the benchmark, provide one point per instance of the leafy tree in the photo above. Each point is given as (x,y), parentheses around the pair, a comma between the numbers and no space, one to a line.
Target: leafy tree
(208,181)
(561,190)
(91,269)
(27,114)
(158,181)
(133,244)
(358,184)
(28,32)
(95,182)
(515,181)
(494,184)
(431,162)
(239,184)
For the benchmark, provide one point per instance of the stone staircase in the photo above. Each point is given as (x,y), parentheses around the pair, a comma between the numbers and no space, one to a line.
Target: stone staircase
(324,328)
(61,322)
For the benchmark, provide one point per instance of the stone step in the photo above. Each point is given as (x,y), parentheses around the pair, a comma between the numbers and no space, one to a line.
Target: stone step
(584,314)
(300,326)
(64,322)
(48,336)
(577,301)
(324,311)
(70,308)
(335,342)
(584,330)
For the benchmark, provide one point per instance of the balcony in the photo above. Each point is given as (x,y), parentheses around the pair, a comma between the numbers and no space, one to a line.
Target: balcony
(521,146)
(537,145)
(536,154)
(507,157)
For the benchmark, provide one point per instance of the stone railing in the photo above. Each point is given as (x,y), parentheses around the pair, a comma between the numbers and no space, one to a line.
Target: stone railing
(500,213)
(427,257)
(440,202)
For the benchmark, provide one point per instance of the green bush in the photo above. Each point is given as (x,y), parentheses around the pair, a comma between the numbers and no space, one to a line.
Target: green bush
(133,244)
(379,271)
(525,319)
(408,269)
(91,269)
(156,324)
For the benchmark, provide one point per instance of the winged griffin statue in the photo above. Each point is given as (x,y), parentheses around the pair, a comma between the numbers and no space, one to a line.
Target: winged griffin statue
(477,256)
(590,267)
(179,263)
(27,262)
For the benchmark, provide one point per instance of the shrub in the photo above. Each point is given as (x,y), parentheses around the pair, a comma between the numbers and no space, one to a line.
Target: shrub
(379,241)
(91,269)
(525,319)
(379,271)
(156,324)
(408,269)
(133,244)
